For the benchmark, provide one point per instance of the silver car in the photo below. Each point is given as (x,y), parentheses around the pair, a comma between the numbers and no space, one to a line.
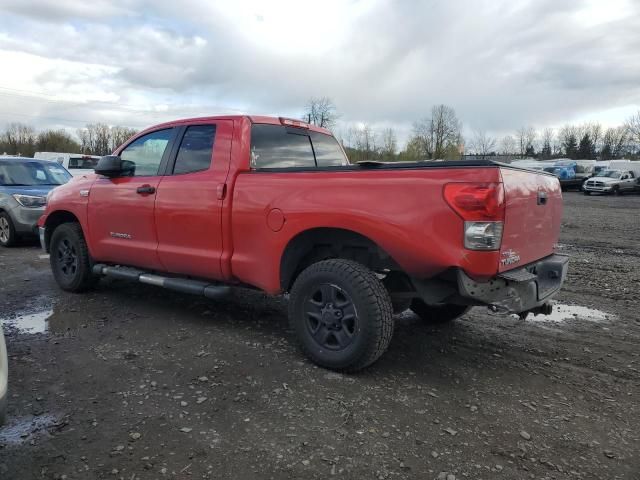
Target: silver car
(24,186)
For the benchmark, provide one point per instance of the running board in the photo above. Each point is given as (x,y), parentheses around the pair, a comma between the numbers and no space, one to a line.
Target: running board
(185,285)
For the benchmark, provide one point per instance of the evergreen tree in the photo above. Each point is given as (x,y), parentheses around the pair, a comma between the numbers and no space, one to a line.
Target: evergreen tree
(571,147)
(545,153)
(530,152)
(586,149)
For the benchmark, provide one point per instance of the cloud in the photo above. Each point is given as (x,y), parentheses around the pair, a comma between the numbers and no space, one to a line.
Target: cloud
(500,64)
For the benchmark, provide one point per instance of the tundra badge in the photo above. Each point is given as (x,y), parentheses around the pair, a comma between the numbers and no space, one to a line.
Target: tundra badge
(120,235)
(509,257)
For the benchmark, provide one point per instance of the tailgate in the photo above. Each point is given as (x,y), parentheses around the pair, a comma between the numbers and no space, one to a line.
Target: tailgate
(532,217)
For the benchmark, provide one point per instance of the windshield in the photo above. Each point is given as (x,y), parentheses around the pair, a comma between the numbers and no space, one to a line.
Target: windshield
(25,173)
(610,174)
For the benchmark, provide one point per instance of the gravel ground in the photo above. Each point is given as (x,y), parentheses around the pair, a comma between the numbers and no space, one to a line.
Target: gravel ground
(132,382)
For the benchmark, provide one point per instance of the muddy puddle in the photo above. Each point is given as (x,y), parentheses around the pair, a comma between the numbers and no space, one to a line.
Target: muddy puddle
(21,430)
(46,321)
(30,322)
(562,313)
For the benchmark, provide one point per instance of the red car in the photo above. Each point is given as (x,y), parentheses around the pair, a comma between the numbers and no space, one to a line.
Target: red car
(272,203)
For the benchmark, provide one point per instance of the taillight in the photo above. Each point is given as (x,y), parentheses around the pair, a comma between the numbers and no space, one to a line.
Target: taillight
(481,206)
(476,201)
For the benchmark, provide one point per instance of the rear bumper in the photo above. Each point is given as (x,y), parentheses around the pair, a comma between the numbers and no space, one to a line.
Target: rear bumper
(518,290)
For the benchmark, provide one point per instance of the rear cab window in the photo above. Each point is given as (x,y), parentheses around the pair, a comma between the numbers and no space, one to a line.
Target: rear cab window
(277,146)
(196,149)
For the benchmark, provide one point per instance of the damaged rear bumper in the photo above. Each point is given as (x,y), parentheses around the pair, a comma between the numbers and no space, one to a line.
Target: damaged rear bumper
(519,290)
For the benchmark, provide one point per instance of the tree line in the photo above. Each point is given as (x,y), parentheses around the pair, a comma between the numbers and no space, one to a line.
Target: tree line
(93,139)
(436,136)
(439,136)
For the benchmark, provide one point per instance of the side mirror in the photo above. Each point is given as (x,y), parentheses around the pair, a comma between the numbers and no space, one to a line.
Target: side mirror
(112,166)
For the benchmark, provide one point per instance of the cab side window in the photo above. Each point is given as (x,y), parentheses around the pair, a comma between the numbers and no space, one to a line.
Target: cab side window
(195,150)
(145,153)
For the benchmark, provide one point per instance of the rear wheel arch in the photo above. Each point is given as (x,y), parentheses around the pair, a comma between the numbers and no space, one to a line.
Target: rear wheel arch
(317,244)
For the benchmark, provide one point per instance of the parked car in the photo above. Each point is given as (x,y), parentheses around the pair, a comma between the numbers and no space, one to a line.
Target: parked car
(272,203)
(4,377)
(572,173)
(77,163)
(615,182)
(603,165)
(24,186)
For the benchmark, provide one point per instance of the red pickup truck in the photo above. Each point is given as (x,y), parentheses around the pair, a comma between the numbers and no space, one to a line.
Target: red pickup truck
(271,203)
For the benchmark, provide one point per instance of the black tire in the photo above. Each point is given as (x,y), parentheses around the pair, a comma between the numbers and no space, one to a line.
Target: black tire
(70,260)
(586,193)
(438,314)
(616,190)
(342,315)
(8,235)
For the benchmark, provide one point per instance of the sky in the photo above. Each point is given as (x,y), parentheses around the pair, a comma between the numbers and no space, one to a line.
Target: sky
(501,64)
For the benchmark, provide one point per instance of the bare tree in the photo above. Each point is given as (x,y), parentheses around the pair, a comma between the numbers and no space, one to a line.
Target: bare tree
(547,143)
(594,129)
(119,135)
(439,134)
(389,144)
(413,151)
(321,112)
(100,139)
(18,139)
(508,145)
(360,143)
(525,136)
(483,144)
(56,141)
(614,142)
(633,128)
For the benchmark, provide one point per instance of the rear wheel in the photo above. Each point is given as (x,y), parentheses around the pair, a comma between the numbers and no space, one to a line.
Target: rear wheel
(70,261)
(342,314)
(435,314)
(8,235)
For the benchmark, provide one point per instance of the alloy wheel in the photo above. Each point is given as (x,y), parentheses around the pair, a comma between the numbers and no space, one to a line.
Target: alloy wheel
(67,258)
(331,317)
(5,230)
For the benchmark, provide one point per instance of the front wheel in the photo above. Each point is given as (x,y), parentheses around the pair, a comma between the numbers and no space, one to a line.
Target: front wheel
(8,235)
(70,260)
(586,192)
(435,314)
(342,314)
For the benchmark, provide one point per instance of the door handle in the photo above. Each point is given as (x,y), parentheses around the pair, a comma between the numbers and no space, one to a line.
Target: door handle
(146,189)
(542,198)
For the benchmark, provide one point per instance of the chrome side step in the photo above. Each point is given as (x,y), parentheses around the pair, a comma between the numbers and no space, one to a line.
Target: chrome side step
(185,285)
